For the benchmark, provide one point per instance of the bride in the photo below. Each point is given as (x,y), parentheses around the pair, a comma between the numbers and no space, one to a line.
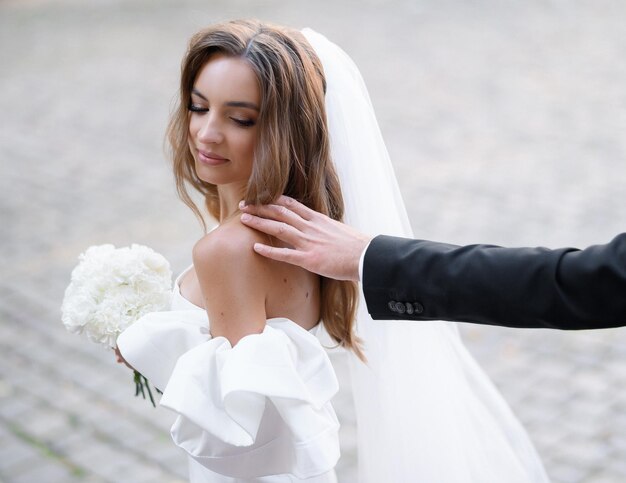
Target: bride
(264,111)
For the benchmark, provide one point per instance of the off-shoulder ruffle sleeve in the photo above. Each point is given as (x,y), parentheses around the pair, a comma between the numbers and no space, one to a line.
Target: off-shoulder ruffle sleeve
(259,408)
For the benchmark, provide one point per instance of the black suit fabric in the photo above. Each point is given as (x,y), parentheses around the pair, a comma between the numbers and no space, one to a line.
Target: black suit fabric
(565,288)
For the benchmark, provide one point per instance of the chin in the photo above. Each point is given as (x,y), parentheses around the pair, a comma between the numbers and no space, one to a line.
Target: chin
(203,175)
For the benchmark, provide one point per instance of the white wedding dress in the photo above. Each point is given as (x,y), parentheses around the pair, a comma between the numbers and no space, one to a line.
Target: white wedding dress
(256,412)
(260,411)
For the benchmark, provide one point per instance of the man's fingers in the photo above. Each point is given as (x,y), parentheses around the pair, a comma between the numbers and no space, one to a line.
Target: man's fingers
(295,206)
(278,229)
(284,209)
(279,254)
(274,212)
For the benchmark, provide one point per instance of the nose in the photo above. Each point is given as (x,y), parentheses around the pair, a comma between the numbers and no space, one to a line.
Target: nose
(210,129)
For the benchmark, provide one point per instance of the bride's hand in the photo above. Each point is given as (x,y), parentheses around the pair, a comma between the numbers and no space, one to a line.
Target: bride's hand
(120,359)
(319,243)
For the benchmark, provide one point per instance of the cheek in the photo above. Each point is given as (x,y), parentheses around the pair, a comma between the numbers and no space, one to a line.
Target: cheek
(194,127)
(247,146)
(191,136)
(191,146)
(251,147)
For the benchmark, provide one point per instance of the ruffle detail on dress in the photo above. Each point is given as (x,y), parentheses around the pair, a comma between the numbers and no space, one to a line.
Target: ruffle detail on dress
(259,408)
(153,344)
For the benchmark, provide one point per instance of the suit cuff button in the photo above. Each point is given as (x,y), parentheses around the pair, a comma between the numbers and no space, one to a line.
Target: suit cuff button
(400,307)
(392,305)
(419,308)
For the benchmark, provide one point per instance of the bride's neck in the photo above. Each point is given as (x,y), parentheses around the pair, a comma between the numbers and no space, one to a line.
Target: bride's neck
(230,196)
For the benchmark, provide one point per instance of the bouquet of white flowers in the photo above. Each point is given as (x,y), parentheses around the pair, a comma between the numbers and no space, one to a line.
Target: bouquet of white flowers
(112,288)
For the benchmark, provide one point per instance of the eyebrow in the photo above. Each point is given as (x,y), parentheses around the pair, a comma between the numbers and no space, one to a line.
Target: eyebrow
(247,105)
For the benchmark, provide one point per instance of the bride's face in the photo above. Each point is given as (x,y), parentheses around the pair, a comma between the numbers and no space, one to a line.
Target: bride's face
(224,110)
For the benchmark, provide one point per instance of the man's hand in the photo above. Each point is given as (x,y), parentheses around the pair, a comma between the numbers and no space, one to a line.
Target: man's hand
(319,243)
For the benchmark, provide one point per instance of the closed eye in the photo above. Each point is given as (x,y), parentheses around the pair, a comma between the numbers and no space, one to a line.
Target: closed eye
(243,122)
(196,108)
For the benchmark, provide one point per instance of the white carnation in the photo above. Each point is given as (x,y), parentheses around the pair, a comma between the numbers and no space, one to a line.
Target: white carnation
(113,287)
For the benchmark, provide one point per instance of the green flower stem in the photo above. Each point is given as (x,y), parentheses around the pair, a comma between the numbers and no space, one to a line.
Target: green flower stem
(142,385)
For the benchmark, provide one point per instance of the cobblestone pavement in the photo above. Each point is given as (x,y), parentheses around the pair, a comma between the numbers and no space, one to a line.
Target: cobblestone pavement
(505,121)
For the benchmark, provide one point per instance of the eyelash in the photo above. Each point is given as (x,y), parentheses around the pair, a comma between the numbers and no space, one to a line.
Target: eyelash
(243,122)
(202,110)
(195,108)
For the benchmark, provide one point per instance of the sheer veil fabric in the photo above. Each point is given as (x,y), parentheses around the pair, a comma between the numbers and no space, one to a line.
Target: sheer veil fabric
(425,410)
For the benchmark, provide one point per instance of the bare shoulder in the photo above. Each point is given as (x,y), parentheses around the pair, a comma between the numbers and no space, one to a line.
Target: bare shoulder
(233,281)
(241,289)
(229,246)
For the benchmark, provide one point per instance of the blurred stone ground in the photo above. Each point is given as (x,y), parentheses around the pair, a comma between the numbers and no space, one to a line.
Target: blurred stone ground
(505,121)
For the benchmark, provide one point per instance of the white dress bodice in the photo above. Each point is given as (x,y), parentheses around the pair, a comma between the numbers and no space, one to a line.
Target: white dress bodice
(256,412)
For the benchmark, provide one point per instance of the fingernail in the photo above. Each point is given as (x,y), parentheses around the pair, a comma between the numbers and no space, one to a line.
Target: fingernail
(246,217)
(242,204)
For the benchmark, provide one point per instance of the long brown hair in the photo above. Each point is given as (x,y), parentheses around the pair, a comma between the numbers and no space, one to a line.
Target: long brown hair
(292,156)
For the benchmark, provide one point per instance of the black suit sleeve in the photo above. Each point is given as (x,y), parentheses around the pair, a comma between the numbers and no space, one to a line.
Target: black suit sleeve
(514,287)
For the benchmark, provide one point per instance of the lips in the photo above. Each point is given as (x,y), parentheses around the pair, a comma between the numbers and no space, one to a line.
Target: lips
(211,159)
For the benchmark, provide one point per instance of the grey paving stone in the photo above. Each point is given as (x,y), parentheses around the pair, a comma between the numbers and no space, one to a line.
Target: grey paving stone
(145,474)
(567,472)
(11,408)
(45,472)
(14,452)
(46,424)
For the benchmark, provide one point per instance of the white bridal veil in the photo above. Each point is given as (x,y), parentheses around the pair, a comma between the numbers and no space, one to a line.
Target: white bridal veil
(425,411)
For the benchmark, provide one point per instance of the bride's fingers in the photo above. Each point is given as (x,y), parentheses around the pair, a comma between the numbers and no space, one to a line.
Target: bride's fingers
(278,229)
(119,358)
